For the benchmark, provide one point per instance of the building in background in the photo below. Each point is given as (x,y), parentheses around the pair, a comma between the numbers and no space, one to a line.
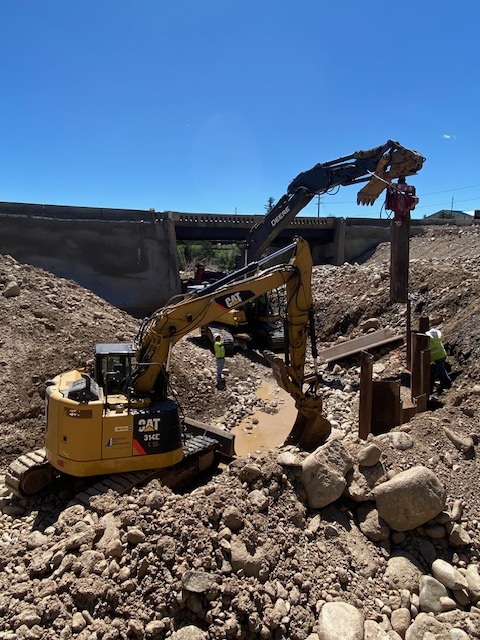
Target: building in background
(451,214)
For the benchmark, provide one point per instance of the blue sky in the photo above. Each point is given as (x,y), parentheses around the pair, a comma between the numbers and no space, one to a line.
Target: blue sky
(216,106)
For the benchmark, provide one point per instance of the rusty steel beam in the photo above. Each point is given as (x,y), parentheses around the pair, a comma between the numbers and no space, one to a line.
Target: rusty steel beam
(420,343)
(386,405)
(399,260)
(408,340)
(365,403)
(368,341)
(422,400)
(423,324)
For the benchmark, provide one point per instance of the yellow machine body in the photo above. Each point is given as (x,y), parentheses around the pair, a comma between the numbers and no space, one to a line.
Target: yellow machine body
(102,437)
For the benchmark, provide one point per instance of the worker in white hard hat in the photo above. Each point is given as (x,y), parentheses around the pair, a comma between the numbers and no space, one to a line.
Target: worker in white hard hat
(219,350)
(438,358)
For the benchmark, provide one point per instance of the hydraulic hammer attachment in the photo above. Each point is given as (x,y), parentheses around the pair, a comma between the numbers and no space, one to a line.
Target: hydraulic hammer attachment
(311,429)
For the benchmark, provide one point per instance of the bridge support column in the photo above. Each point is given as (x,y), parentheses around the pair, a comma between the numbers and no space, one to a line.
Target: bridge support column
(339,242)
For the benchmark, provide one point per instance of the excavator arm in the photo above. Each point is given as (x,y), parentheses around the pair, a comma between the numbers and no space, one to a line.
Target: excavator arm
(167,326)
(376,166)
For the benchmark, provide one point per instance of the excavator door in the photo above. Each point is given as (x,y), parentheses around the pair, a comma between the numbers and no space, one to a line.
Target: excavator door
(113,366)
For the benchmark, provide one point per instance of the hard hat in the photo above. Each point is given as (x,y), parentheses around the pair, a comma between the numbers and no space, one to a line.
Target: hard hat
(434,333)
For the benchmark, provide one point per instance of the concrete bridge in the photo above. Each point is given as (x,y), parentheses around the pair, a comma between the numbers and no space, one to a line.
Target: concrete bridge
(235,228)
(130,258)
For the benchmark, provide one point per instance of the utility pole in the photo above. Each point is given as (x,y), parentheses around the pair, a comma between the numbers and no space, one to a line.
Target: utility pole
(318,206)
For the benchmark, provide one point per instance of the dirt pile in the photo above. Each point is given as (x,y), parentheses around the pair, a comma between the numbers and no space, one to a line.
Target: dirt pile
(251,553)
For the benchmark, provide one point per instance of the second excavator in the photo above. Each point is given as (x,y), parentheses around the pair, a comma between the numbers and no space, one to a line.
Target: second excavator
(377,167)
(260,323)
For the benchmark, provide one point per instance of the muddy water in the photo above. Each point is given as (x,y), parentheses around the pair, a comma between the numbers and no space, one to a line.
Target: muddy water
(272,428)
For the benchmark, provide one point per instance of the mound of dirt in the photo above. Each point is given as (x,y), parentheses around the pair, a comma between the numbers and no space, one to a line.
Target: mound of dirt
(248,554)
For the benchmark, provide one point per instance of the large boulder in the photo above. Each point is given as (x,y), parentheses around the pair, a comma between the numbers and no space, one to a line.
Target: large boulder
(403,572)
(340,621)
(323,474)
(410,498)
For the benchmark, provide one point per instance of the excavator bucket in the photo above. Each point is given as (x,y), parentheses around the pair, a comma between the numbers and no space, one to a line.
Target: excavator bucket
(311,429)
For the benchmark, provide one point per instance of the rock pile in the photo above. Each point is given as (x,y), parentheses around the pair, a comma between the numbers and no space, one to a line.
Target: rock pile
(258,552)
(375,540)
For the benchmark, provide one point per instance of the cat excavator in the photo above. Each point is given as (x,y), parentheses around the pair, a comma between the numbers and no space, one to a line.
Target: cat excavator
(377,167)
(115,417)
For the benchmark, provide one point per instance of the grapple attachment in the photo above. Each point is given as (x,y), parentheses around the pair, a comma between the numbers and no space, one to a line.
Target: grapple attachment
(397,163)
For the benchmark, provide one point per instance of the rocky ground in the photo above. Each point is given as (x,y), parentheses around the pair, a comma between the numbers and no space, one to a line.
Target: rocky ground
(370,540)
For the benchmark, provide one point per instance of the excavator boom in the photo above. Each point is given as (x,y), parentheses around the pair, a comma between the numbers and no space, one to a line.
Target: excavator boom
(165,327)
(377,167)
(171,323)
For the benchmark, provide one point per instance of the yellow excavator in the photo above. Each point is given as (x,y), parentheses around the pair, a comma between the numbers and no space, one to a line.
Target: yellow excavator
(116,417)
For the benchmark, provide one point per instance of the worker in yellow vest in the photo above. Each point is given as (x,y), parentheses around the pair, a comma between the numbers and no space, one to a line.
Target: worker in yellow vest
(219,350)
(438,358)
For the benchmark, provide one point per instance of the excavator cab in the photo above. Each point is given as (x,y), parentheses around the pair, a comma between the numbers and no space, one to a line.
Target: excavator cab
(113,366)
(265,320)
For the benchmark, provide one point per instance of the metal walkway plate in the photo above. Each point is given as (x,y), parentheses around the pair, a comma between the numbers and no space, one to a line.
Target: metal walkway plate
(349,348)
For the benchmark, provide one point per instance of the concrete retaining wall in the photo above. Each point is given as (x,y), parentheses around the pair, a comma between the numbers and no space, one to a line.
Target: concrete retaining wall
(132,264)
(130,258)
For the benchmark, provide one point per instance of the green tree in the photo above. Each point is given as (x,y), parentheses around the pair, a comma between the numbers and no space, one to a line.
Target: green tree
(214,255)
(269,206)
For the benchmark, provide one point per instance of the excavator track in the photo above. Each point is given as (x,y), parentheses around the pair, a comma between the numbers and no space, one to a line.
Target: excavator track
(199,455)
(271,336)
(31,472)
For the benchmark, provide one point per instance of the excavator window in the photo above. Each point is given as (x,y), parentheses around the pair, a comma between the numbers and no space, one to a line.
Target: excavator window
(113,368)
(265,308)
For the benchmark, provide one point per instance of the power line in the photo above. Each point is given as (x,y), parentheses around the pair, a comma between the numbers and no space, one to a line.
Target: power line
(434,193)
(419,206)
(422,194)
(439,204)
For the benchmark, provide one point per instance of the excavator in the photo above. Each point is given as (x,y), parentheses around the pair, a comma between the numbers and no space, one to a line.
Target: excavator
(117,419)
(114,418)
(377,166)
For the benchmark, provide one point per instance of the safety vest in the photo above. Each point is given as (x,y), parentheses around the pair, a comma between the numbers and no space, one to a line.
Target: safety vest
(437,350)
(219,349)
